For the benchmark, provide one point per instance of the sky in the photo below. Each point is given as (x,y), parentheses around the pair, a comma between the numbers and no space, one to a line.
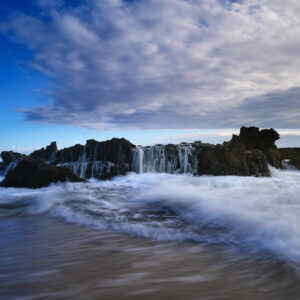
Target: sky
(152,71)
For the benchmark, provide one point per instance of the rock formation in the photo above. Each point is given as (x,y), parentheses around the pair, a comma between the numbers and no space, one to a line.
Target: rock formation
(246,154)
(10,160)
(32,173)
(232,159)
(47,154)
(264,140)
(10,156)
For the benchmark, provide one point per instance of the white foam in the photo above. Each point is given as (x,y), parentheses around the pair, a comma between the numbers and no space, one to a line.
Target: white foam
(257,214)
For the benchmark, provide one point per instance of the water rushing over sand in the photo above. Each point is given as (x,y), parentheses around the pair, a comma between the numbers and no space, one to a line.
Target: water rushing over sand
(243,227)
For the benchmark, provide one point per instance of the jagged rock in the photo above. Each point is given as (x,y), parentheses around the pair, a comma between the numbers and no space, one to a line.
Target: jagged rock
(32,173)
(101,160)
(223,160)
(69,154)
(257,163)
(115,150)
(292,155)
(273,157)
(45,154)
(264,140)
(253,139)
(232,159)
(10,156)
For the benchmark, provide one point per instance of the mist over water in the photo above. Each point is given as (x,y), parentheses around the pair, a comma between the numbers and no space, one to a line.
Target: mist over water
(253,215)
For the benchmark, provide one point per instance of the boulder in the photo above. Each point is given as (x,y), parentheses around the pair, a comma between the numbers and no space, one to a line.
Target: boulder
(264,140)
(32,173)
(10,156)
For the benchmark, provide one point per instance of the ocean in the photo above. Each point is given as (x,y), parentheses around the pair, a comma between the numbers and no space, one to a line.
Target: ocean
(153,235)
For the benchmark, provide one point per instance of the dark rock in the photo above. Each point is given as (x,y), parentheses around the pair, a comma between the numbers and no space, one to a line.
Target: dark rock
(115,150)
(255,139)
(10,156)
(69,154)
(232,159)
(32,173)
(45,154)
(223,160)
(252,138)
(101,160)
(2,168)
(257,163)
(292,155)
(273,157)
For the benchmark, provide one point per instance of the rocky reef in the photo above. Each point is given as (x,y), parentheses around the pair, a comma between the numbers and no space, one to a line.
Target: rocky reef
(246,154)
(32,173)
(10,160)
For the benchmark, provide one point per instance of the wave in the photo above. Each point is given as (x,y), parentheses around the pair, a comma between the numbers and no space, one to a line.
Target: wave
(254,214)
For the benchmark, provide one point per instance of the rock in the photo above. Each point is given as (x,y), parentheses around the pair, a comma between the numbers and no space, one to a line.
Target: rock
(45,154)
(232,159)
(2,168)
(115,150)
(264,140)
(257,163)
(69,154)
(292,155)
(253,139)
(273,157)
(10,156)
(222,160)
(32,173)
(101,160)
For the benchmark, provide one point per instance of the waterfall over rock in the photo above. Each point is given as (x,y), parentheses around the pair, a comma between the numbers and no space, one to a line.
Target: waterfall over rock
(172,159)
(246,154)
(101,160)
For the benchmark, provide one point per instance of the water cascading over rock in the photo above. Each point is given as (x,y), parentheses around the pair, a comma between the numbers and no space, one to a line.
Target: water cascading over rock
(246,154)
(172,159)
(101,160)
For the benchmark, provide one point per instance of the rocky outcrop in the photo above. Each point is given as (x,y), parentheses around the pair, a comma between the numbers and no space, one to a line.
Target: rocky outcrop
(253,138)
(10,160)
(257,163)
(292,155)
(246,154)
(32,173)
(232,159)
(264,140)
(101,160)
(47,154)
(10,156)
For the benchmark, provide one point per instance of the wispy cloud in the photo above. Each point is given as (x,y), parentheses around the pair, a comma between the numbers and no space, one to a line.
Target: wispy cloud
(165,64)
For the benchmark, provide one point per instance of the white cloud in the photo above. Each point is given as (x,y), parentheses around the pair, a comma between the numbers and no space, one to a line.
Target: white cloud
(167,64)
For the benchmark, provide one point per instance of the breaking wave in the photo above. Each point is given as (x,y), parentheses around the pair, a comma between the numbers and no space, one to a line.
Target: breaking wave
(252,214)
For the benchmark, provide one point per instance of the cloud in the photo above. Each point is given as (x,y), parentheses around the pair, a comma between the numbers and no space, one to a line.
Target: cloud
(165,64)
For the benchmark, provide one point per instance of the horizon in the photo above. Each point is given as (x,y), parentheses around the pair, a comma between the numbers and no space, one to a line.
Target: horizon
(210,137)
(76,70)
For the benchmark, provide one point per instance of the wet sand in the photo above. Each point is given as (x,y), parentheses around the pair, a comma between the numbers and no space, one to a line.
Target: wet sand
(46,258)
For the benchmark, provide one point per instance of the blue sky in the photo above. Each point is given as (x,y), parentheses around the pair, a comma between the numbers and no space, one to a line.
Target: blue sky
(150,71)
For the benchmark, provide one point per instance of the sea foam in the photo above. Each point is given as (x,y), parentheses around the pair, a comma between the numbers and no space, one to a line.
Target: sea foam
(253,214)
